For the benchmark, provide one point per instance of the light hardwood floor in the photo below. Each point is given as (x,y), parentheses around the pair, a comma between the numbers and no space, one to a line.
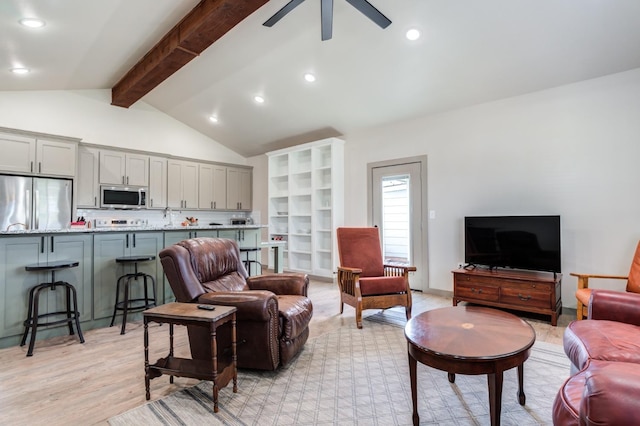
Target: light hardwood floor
(66,382)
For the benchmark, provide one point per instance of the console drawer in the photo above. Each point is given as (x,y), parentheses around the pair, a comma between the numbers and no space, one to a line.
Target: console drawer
(523,297)
(527,286)
(477,292)
(461,279)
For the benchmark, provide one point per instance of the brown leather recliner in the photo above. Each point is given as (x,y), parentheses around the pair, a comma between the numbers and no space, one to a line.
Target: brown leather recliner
(273,310)
(605,355)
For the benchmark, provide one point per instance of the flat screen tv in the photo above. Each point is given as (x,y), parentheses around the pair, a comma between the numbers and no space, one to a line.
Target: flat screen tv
(519,242)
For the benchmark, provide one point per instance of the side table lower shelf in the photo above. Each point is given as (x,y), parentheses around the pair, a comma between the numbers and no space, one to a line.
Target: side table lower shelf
(219,369)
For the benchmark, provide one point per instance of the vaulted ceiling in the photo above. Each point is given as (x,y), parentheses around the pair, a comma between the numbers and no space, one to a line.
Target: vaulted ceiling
(470,52)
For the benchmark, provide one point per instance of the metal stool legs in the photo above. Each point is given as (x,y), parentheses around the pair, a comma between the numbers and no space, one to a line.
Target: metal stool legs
(33,316)
(247,261)
(132,305)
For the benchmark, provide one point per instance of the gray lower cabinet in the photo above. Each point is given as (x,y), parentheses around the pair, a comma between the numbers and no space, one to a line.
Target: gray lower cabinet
(109,246)
(96,276)
(15,282)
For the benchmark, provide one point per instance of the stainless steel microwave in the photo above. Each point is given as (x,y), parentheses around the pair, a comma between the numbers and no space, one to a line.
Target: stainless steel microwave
(123,197)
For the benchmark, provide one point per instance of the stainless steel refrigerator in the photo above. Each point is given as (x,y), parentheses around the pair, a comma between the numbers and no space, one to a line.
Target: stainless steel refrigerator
(34,203)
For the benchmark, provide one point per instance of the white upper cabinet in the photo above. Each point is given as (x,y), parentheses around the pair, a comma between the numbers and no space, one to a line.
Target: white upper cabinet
(120,168)
(182,184)
(88,195)
(157,195)
(220,187)
(239,180)
(213,187)
(37,156)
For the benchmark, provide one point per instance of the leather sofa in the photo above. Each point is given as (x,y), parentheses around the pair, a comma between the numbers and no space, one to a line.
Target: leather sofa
(273,310)
(605,354)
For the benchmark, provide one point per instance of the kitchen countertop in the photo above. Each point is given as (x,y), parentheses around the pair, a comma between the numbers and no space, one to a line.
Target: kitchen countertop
(146,228)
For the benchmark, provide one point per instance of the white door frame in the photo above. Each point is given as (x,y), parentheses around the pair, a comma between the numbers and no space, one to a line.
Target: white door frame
(420,279)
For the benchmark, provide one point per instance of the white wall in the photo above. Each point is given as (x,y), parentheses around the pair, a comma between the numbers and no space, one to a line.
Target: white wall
(89,115)
(572,151)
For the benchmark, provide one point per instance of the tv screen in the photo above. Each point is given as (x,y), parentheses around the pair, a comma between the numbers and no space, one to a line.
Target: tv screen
(519,242)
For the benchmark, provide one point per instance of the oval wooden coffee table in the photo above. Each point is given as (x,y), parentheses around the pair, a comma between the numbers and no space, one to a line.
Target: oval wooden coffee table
(470,340)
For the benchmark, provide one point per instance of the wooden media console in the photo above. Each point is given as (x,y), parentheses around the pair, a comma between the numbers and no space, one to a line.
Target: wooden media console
(529,291)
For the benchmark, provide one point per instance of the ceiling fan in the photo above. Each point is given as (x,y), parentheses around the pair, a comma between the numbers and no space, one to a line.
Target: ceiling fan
(326,14)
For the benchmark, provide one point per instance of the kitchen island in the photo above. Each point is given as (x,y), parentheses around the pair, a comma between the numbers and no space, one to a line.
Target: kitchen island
(95,279)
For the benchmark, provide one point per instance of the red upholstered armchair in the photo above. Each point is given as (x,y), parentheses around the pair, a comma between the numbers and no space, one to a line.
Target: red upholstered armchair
(365,281)
(584,292)
(273,311)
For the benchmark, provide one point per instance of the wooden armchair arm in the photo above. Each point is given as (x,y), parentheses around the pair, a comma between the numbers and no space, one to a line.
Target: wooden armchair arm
(349,280)
(351,270)
(583,279)
(398,270)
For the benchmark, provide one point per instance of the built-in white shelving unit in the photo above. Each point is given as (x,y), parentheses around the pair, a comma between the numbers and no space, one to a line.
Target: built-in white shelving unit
(306,204)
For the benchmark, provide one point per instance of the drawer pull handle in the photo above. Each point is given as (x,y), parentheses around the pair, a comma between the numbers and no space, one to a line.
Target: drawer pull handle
(473,290)
(525,298)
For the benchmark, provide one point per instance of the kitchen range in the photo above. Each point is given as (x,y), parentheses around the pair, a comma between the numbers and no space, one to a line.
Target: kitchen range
(119,223)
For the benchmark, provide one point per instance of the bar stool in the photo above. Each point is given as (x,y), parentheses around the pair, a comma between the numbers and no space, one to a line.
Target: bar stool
(248,261)
(137,304)
(34,316)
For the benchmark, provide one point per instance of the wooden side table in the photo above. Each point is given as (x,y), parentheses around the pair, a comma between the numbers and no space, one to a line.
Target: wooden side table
(220,369)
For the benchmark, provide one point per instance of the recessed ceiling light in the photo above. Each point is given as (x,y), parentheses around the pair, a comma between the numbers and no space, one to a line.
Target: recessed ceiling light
(213,118)
(20,70)
(259,99)
(32,22)
(310,77)
(413,34)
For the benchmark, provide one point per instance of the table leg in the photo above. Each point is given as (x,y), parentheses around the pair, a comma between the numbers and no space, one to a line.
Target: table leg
(277,260)
(171,347)
(451,377)
(495,397)
(146,359)
(214,362)
(414,388)
(234,354)
(521,396)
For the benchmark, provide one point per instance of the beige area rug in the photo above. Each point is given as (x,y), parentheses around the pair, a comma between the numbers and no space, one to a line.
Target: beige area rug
(352,376)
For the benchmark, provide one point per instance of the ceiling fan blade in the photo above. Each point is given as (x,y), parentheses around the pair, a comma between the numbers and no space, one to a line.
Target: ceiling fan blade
(326,16)
(370,12)
(282,12)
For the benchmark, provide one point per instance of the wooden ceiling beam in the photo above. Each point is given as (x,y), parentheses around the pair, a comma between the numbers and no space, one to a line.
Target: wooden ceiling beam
(206,23)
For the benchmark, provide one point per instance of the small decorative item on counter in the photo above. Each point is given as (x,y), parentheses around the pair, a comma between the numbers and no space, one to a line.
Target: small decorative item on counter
(79,223)
(190,221)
